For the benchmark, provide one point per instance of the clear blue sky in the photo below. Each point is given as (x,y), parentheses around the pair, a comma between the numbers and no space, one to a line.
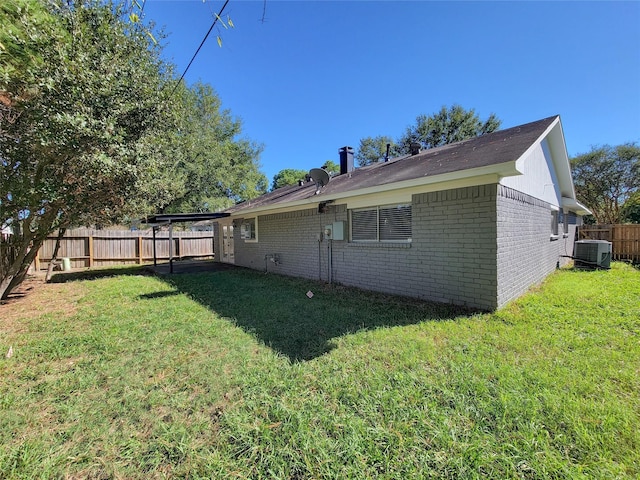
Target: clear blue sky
(318,75)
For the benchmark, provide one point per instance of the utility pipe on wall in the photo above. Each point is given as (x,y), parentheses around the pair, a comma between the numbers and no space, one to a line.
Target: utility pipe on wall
(319,257)
(330,260)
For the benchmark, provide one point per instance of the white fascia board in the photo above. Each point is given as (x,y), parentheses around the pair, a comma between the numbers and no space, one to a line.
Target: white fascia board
(559,156)
(404,189)
(561,160)
(555,138)
(575,206)
(534,145)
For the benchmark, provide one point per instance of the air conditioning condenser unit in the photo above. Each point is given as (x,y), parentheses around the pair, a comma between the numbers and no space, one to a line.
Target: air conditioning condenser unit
(592,254)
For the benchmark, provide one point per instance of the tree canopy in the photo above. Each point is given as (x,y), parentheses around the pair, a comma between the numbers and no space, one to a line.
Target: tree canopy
(374,149)
(287,176)
(93,130)
(631,209)
(291,176)
(217,168)
(606,178)
(332,167)
(448,125)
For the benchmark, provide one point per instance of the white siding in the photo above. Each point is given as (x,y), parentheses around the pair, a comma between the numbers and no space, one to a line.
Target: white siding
(539,179)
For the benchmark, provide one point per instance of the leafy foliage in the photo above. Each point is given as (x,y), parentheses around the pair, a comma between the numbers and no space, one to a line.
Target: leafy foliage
(446,126)
(606,178)
(216,168)
(291,176)
(373,149)
(93,128)
(331,167)
(85,109)
(27,29)
(449,125)
(631,209)
(288,176)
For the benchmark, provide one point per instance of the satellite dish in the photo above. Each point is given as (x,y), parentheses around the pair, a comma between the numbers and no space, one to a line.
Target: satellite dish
(320,176)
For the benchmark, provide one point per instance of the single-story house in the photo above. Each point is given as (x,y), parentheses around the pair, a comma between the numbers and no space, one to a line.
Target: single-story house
(472,223)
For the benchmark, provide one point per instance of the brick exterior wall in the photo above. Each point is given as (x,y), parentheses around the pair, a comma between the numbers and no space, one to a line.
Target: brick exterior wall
(526,252)
(452,256)
(477,246)
(292,236)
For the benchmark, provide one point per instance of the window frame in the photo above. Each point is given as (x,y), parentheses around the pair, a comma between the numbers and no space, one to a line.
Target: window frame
(377,209)
(564,221)
(253,238)
(555,224)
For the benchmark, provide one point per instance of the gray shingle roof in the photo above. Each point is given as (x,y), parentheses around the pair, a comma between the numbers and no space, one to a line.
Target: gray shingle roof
(495,148)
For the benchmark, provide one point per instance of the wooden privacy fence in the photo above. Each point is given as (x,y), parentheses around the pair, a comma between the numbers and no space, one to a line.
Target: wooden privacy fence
(625,239)
(93,248)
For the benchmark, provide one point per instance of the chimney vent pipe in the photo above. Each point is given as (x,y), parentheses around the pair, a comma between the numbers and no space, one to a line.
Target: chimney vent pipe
(346,160)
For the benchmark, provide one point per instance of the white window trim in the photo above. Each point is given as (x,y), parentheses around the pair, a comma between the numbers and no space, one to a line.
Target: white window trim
(565,223)
(255,222)
(555,227)
(377,240)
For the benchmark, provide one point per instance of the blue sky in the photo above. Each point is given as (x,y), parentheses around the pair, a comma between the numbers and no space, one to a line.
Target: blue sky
(315,76)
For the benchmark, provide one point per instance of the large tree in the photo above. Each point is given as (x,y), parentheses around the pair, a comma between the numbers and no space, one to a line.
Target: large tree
(449,125)
(631,209)
(291,176)
(331,167)
(92,128)
(216,166)
(373,149)
(85,98)
(606,178)
(287,176)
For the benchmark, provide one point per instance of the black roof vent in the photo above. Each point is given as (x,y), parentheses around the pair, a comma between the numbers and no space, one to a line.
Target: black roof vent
(346,160)
(414,148)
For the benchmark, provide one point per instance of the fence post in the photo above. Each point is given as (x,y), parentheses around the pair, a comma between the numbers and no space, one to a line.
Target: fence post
(140,259)
(90,251)
(171,246)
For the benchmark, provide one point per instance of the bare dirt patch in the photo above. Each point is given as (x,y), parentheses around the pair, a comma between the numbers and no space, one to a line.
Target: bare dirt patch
(34,298)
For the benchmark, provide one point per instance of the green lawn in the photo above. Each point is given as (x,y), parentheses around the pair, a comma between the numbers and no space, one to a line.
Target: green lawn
(238,374)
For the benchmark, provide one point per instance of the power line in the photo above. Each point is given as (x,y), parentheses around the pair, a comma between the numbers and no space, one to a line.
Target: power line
(215,20)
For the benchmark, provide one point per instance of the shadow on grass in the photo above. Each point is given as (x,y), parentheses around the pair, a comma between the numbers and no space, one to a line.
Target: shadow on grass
(277,311)
(151,296)
(94,274)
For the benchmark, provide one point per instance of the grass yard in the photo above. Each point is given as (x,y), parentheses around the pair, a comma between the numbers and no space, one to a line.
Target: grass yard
(236,374)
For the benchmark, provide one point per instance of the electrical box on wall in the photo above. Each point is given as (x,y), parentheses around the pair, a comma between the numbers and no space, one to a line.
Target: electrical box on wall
(338,230)
(334,231)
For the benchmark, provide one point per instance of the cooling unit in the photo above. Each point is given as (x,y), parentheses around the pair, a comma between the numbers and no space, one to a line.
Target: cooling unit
(592,254)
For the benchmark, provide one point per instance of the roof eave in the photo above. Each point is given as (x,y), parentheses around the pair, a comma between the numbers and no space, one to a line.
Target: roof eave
(575,206)
(500,170)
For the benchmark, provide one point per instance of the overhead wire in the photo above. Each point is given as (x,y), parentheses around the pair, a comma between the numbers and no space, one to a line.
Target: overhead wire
(215,20)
